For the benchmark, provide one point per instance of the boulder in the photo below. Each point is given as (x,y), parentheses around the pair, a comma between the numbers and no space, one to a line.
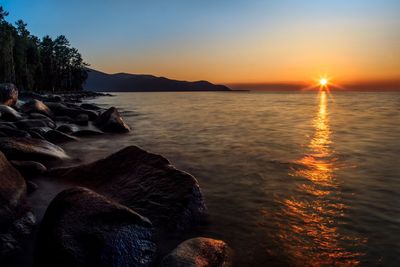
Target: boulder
(20,148)
(199,252)
(86,133)
(36,106)
(58,137)
(15,217)
(111,121)
(35,123)
(28,167)
(145,182)
(63,119)
(9,114)
(39,116)
(82,119)
(8,94)
(83,228)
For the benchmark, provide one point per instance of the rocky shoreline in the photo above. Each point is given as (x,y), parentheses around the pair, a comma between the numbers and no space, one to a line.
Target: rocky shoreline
(116,211)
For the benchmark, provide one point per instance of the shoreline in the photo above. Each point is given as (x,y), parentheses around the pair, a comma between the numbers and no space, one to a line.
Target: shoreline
(164,191)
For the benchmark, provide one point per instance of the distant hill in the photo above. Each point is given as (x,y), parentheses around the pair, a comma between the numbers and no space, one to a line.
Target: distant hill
(125,82)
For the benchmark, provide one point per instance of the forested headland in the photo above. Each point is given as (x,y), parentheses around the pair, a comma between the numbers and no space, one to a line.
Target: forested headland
(35,64)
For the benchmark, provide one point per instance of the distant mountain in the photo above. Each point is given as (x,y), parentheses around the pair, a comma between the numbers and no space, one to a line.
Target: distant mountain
(125,82)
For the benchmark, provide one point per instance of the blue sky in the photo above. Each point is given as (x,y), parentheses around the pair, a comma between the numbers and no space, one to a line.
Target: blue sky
(226,41)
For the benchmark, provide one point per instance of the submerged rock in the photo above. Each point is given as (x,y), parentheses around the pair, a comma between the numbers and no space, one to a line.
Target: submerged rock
(15,218)
(9,114)
(8,94)
(111,121)
(83,228)
(36,106)
(20,148)
(82,119)
(199,252)
(66,128)
(145,182)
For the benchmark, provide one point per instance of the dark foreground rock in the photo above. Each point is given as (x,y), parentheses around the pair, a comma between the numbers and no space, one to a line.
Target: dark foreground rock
(199,252)
(145,182)
(20,148)
(8,94)
(83,228)
(58,137)
(111,121)
(15,218)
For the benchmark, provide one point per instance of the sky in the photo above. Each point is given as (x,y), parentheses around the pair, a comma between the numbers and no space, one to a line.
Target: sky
(226,41)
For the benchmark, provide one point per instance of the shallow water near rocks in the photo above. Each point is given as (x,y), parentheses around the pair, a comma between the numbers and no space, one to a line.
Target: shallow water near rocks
(289,178)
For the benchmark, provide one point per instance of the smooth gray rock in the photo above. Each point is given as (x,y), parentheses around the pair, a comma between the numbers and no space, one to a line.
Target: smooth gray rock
(20,148)
(199,252)
(83,228)
(8,94)
(111,121)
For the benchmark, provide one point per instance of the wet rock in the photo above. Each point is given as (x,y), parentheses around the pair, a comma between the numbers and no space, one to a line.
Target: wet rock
(20,148)
(39,130)
(9,114)
(73,111)
(86,133)
(12,132)
(145,182)
(63,119)
(199,252)
(28,167)
(66,128)
(8,94)
(90,106)
(36,123)
(83,228)
(35,134)
(57,137)
(111,121)
(38,116)
(82,119)
(15,217)
(36,106)
(31,187)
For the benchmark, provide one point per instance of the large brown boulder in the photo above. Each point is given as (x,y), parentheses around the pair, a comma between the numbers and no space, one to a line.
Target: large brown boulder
(21,148)
(8,94)
(145,182)
(199,252)
(83,228)
(15,217)
(111,121)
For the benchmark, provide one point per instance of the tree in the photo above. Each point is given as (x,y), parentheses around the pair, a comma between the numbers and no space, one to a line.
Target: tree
(34,64)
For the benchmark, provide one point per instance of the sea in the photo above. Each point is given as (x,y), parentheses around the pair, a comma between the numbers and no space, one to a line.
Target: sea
(289,178)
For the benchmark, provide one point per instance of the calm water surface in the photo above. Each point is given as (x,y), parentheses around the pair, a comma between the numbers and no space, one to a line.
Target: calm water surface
(290,179)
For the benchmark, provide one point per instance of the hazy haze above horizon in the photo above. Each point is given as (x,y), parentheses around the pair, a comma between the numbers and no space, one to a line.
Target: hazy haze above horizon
(227,41)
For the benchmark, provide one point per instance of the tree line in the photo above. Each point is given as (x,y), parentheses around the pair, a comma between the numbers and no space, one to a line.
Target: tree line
(38,64)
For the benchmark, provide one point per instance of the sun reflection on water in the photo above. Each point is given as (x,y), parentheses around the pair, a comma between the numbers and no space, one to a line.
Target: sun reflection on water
(310,234)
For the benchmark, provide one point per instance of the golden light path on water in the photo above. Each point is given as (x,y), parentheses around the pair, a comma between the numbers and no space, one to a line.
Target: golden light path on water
(311,237)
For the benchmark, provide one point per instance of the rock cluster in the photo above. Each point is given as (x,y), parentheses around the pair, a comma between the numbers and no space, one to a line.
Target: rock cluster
(118,206)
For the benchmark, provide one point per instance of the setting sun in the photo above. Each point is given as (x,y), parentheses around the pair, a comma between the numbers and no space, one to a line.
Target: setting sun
(323,81)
